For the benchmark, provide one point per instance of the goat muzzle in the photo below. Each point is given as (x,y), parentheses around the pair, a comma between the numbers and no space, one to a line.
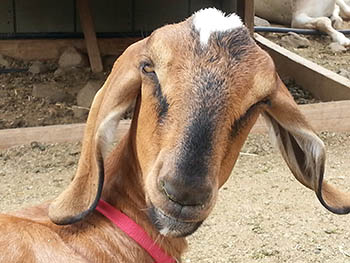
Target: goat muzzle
(178,202)
(186,195)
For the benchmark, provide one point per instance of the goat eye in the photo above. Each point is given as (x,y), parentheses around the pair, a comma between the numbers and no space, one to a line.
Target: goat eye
(148,69)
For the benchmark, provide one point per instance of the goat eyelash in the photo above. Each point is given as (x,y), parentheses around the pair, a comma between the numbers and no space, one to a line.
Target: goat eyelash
(147,68)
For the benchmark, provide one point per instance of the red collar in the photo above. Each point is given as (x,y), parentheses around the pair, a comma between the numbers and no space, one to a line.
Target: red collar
(134,231)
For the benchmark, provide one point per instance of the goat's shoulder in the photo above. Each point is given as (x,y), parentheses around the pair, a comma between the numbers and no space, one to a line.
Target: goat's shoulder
(26,240)
(30,236)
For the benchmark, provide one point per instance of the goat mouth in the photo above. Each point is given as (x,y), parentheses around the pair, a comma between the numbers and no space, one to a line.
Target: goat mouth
(171,226)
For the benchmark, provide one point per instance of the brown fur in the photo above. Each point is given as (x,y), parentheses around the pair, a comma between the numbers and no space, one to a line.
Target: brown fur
(146,176)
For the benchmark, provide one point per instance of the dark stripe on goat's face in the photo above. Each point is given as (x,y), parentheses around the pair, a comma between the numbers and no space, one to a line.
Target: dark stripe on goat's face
(163,105)
(211,66)
(206,103)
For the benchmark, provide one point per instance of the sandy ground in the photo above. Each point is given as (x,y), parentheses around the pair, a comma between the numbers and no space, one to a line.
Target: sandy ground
(263,214)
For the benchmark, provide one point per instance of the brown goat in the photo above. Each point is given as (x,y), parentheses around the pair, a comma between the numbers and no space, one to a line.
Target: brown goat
(199,87)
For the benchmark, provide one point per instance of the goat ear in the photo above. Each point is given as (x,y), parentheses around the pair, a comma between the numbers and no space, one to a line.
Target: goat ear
(302,149)
(112,100)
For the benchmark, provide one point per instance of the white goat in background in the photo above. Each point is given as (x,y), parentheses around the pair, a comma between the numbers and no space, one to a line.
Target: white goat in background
(310,14)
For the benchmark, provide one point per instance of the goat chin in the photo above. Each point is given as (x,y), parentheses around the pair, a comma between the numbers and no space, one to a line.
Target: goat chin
(171,226)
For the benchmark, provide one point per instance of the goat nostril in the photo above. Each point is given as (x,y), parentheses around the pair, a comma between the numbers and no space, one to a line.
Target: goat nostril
(168,191)
(183,195)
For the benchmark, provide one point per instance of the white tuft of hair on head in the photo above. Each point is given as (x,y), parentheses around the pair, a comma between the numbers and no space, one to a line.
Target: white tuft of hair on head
(210,20)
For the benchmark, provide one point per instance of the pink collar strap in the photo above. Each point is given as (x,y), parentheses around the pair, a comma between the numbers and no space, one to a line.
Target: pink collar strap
(134,231)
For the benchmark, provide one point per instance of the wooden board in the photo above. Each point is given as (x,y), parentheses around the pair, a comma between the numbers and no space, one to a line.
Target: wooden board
(6,16)
(151,14)
(196,5)
(49,134)
(54,133)
(229,6)
(90,36)
(36,16)
(329,116)
(322,83)
(245,9)
(110,16)
(326,116)
(42,49)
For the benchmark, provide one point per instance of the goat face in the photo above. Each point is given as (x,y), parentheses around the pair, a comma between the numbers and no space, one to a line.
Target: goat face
(201,88)
(194,116)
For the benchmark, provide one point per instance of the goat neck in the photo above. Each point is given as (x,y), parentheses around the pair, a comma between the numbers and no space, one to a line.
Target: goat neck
(124,190)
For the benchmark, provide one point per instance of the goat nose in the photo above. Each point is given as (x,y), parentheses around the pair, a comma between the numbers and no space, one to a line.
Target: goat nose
(184,195)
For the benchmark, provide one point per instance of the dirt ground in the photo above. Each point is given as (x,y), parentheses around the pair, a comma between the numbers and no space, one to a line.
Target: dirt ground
(262,215)
(18,107)
(318,51)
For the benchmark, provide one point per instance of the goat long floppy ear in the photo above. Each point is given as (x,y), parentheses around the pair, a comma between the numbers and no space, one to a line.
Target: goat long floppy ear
(302,149)
(110,103)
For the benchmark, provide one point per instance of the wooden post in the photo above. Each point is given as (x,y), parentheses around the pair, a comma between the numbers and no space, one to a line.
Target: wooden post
(87,24)
(245,9)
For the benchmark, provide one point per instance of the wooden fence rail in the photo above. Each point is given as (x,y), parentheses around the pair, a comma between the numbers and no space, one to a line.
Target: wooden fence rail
(328,116)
